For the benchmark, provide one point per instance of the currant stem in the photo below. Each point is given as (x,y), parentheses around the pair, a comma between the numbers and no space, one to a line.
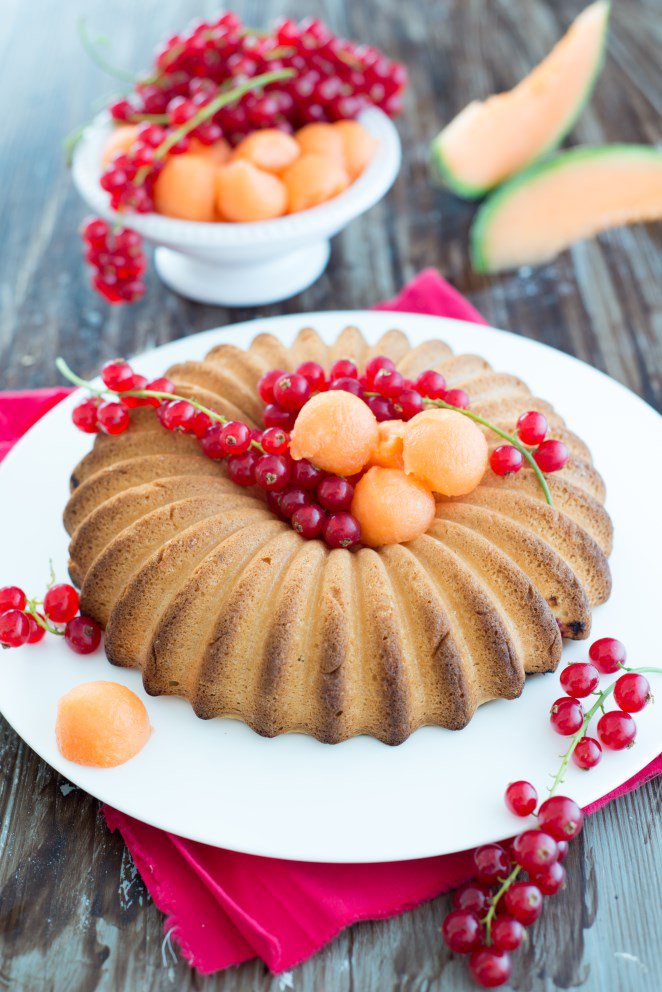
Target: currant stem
(511,438)
(505,885)
(91,47)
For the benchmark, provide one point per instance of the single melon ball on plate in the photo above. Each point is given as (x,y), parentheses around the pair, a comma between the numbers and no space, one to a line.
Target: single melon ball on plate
(358,144)
(313,179)
(119,142)
(246,193)
(269,149)
(336,431)
(391,507)
(322,139)
(102,724)
(446,451)
(186,188)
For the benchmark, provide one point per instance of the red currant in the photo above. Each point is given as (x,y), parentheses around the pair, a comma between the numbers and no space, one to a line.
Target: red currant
(566,716)
(265,386)
(607,654)
(305,475)
(113,418)
(376,365)
(85,417)
(241,468)
(212,444)
(61,603)
(275,441)
(561,817)
(408,404)
(309,520)
(131,402)
(532,427)
(161,385)
(507,933)
(83,635)
(291,391)
(343,369)
(534,849)
(521,798)
(506,459)
(473,897)
(382,408)
(275,416)
(491,863)
(236,437)
(342,530)
(579,679)
(524,901)
(431,384)
(314,375)
(462,931)
(616,730)
(458,398)
(291,500)
(335,494)
(631,692)
(272,472)
(389,383)
(490,967)
(37,632)
(200,424)
(176,415)
(117,376)
(549,879)
(347,384)
(587,753)
(562,847)
(551,456)
(14,628)
(12,598)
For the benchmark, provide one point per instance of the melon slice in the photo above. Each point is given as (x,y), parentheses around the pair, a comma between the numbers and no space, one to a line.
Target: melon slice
(491,140)
(567,198)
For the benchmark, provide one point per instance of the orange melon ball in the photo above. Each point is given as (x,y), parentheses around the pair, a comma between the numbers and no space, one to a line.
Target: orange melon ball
(245,193)
(446,451)
(336,431)
(388,452)
(186,188)
(322,139)
(358,145)
(102,724)
(119,142)
(312,180)
(391,507)
(218,153)
(269,149)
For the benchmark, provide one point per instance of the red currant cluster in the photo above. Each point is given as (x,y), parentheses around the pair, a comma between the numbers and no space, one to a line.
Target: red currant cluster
(550,455)
(491,912)
(21,622)
(389,394)
(117,259)
(332,78)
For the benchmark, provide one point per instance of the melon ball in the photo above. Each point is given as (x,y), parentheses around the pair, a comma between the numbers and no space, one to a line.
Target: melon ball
(358,145)
(336,431)
(388,452)
(102,724)
(119,142)
(186,188)
(446,451)
(391,507)
(269,149)
(322,139)
(312,180)
(245,193)
(218,153)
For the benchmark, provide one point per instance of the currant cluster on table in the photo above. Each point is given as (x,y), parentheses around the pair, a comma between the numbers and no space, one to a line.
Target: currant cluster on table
(490,913)
(27,621)
(117,259)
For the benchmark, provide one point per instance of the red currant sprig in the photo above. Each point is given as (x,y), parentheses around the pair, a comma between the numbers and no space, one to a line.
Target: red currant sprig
(117,259)
(22,622)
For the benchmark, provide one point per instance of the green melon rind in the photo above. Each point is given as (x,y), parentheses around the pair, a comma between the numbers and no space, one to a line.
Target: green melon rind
(443,174)
(486,213)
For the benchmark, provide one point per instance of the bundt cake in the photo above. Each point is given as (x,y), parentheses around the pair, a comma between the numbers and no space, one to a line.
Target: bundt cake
(199,585)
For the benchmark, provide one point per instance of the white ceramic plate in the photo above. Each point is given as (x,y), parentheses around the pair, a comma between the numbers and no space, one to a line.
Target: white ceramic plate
(292,797)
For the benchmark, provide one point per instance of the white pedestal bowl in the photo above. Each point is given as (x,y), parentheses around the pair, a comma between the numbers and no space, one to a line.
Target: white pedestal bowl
(248,264)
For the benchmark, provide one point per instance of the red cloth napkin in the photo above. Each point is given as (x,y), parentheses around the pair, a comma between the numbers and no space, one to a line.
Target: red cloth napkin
(224,908)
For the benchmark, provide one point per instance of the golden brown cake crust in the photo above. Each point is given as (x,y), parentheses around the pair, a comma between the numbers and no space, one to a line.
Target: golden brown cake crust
(216,600)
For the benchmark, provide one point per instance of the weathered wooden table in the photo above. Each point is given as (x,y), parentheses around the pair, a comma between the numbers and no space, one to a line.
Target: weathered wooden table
(73,914)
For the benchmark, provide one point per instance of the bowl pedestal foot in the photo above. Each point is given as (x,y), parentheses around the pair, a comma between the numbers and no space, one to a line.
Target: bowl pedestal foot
(243,283)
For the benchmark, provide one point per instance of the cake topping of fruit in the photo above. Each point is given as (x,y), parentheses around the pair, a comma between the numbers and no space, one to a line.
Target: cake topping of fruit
(102,724)
(350,457)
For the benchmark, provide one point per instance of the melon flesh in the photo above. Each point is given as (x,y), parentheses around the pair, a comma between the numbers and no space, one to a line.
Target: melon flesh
(491,140)
(568,198)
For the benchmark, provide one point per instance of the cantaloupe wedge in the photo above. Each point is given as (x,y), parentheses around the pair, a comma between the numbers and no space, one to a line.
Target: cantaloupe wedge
(567,198)
(491,140)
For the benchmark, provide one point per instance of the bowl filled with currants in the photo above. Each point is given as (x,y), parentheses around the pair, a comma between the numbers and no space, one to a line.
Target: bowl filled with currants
(239,157)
